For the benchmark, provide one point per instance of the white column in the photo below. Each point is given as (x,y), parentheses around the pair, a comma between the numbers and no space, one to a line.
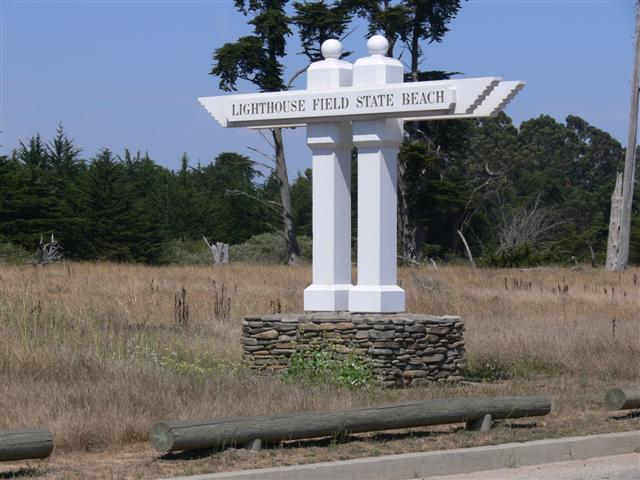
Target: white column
(331,149)
(378,142)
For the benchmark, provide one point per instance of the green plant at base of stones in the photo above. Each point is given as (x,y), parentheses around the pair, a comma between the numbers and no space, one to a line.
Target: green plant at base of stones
(323,363)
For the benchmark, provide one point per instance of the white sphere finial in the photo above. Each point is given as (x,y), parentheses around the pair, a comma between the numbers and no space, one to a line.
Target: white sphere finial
(331,48)
(378,45)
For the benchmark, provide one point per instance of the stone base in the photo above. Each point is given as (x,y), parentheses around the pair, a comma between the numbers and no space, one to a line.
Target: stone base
(402,349)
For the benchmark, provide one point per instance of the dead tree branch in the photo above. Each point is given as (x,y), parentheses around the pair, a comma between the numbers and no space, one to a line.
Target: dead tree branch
(219,251)
(49,252)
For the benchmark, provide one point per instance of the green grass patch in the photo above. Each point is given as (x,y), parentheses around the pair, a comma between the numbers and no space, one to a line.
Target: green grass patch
(324,364)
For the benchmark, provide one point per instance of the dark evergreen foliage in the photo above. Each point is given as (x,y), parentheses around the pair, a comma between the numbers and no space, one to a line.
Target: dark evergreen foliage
(478,176)
(317,22)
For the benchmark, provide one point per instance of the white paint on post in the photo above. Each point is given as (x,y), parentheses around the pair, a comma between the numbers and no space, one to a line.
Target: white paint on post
(330,144)
(378,141)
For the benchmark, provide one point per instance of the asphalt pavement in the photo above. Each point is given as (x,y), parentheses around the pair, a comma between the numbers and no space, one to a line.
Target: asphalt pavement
(618,467)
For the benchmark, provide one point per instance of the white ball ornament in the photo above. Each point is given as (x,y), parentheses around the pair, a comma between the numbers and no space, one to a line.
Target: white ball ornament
(331,48)
(378,45)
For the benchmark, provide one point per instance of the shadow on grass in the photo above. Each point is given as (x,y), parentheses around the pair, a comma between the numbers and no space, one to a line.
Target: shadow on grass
(24,472)
(519,426)
(627,416)
(191,454)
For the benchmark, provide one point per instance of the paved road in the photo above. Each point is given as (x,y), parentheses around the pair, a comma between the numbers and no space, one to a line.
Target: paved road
(618,467)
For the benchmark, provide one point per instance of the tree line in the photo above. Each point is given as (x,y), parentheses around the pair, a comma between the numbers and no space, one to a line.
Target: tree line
(535,194)
(123,208)
(482,188)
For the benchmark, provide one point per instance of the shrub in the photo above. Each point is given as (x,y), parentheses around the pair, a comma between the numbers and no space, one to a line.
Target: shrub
(11,254)
(513,257)
(188,252)
(267,248)
(263,248)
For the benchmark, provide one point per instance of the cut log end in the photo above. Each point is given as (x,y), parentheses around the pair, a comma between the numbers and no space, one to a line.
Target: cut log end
(162,437)
(622,398)
(614,399)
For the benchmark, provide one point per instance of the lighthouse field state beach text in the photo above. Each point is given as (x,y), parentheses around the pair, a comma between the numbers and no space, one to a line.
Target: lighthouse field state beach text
(388,101)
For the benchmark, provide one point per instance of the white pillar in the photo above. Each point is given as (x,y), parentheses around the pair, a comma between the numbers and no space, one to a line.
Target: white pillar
(331,162)
(378,142)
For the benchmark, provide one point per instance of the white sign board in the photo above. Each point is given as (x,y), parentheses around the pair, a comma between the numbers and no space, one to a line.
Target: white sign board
(417,100)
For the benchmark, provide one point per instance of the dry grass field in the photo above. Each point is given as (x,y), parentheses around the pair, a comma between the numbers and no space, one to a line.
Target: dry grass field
(96,353)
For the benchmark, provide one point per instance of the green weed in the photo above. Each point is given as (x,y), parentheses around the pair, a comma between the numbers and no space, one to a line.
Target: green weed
(325,364)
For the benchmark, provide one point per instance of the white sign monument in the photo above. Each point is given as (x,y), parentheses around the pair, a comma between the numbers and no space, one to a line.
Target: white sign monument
(363,105)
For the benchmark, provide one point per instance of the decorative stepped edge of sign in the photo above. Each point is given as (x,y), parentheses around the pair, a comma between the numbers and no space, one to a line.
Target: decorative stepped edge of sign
(402,349)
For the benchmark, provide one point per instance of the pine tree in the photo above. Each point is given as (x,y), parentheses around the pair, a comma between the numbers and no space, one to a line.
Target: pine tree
(301,191)
(8,172)
(188,205)
(35,204)
(147,219)
(232,215)
(63,156)
(109,203)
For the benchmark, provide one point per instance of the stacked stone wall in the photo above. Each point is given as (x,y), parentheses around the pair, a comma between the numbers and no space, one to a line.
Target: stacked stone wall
(401,348)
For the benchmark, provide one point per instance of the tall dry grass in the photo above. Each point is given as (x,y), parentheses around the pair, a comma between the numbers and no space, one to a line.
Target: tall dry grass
(95,352)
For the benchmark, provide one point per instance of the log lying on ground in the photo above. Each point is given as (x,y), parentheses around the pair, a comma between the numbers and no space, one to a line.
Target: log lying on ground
(623,398)
(25,444)
(235,431)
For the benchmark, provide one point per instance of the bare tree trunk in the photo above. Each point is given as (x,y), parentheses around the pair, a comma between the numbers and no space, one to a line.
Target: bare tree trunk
(293,251)
(615,217)
(466,247)
(618,243)
(593,257)
(415,48)
(408,244)
(407,233)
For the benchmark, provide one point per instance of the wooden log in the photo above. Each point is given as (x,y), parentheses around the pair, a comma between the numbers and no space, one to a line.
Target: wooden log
(25,444)
(234,431)
(623,398)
